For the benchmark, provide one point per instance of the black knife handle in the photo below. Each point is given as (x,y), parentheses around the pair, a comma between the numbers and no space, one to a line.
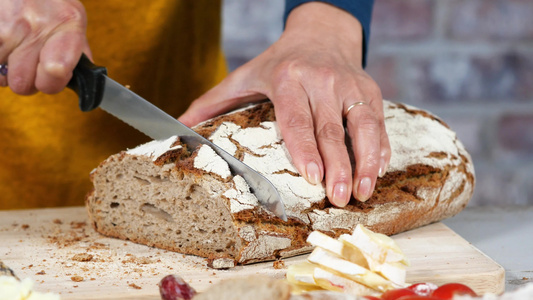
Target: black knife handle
(88,82)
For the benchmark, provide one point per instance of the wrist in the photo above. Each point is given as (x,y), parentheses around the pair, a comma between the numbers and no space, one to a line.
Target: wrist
(327,24)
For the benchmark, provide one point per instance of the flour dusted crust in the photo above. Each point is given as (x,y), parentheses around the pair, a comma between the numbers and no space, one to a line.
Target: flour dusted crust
(165,195)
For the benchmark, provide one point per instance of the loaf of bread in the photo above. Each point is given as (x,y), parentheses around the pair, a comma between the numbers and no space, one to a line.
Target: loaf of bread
(165,195)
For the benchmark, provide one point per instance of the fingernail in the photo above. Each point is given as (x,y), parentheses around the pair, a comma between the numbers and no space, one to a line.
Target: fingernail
(339,194)
(363,190)
(313,173)
(382,167)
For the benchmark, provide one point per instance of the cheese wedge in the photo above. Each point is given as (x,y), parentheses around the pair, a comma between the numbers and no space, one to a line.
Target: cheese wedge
(377,246)
(301,274)
(349,270)
(363,263)
(330,281)
(394,272)
(318,239)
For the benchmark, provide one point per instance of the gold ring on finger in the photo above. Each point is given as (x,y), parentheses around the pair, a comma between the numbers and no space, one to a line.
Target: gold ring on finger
(352,106)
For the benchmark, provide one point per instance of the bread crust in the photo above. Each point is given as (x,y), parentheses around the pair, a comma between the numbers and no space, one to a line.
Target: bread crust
(153,193)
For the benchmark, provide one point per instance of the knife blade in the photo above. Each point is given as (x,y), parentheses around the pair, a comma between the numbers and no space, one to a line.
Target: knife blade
(96,89)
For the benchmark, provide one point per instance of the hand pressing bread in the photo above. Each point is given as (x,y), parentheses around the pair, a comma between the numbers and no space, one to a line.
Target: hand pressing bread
(165,195)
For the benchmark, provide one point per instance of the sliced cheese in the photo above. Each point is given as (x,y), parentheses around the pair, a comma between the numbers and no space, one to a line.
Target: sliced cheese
(318,239)
(349,270)
(363,263)
(301,274)
(330,281)
(394,272)
(377,246)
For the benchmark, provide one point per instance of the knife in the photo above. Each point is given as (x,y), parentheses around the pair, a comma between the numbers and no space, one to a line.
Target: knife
(96,89)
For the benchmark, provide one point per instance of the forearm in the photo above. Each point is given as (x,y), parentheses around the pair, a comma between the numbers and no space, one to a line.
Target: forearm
(325,24)
(320,13)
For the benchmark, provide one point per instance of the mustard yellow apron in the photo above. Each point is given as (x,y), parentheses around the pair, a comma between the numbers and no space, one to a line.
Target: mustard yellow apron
(167,51)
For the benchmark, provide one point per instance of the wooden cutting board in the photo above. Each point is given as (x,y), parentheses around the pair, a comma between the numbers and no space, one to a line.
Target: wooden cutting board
(63,254)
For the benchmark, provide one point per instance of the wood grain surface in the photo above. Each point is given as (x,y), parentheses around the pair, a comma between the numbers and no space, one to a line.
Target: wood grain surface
(62,253)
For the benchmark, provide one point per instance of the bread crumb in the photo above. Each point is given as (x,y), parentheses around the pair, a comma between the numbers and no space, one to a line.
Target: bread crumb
(57,221)
(220,263)
(25,226)
(82,257)
(76,278)
(42,272)
(137,260)
(279,264)
(77,225)
(133,285)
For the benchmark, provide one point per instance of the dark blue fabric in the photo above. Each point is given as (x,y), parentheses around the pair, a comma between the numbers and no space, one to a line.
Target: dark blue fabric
(361,9)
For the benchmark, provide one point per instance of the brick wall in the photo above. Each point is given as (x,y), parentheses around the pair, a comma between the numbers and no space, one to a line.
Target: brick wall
(468,61)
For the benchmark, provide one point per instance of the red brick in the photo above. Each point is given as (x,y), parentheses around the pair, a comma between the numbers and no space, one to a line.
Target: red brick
(509,76)
(491,19)
(436,79)
(400,20)
(515,133)
(473,78)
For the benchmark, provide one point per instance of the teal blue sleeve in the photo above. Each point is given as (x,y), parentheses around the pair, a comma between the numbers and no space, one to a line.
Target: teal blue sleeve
(361,9)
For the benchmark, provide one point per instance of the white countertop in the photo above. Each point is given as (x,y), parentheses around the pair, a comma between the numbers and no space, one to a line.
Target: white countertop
(503,233)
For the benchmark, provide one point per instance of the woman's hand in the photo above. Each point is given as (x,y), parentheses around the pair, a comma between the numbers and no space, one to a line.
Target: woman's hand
(313,74)
(41,41)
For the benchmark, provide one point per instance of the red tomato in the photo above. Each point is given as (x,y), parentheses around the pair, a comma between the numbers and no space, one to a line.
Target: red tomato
(418,297)
(447,291)
(423,288)
(370,298)
(396,294)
